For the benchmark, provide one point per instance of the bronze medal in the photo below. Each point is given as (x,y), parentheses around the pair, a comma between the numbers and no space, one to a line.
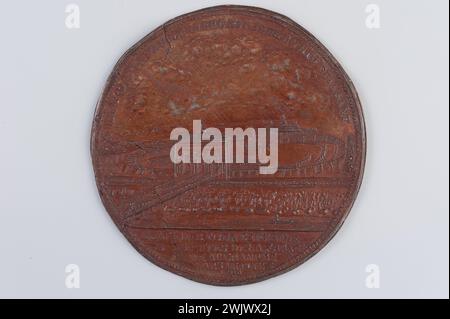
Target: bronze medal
(229,222)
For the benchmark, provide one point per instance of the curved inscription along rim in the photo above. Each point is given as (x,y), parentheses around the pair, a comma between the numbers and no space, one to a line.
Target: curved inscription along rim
(230,66)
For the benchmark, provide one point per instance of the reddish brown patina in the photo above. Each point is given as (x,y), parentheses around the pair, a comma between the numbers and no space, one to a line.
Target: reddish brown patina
(228,66)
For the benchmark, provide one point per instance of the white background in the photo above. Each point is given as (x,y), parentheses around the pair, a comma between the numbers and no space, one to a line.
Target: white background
(50,211)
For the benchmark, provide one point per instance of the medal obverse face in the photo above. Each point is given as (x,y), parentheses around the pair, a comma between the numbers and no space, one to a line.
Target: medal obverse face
(228,145)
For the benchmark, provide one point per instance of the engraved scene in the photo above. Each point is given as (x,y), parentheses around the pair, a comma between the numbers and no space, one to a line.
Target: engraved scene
(225,223)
